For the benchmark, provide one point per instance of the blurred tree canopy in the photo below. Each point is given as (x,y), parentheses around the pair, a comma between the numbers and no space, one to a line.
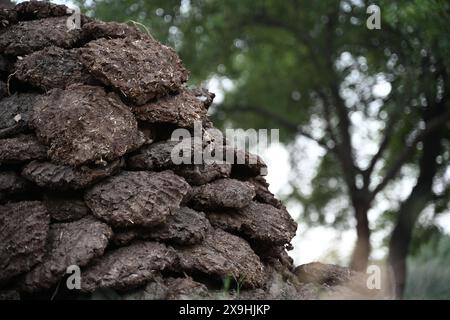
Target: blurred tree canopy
(375,101)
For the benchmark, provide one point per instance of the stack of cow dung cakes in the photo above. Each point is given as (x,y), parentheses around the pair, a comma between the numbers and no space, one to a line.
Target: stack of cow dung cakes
(87,176)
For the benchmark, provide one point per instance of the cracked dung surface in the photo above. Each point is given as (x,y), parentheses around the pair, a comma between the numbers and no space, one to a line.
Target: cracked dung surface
(73,243)
(137,198)
(24,228)
(139,69)
(83,124)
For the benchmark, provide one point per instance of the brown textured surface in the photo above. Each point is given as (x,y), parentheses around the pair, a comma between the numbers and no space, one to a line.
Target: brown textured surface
(262,192)
(185,226)
(7,17)
(53,67)
(53,176)
(128,267)
(137,198)
(15,112)
(11,183)
(280,287)
(84,124)
(73,243)
(259,222)
(20,149)
(183,110)
(110,30)
(247,164)
(9,295)
(159,156)
(223,193)
(169,289)
(269,252)
(26,37)
(65,207)
(31,10)
(184,289)
(201,174)
(155,156)
(140,70)
(337,282)
(223,255)
(323,273)
(204,96)
(23,234)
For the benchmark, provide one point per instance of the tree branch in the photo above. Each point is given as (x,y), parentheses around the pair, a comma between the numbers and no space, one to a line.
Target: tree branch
(408,152)
(327,116)
(383,145)
(343,144)
(293,127)
(301,36)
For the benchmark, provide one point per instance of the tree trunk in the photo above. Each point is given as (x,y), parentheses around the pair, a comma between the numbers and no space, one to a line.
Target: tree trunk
(411,208)
(401,237)
(362,249)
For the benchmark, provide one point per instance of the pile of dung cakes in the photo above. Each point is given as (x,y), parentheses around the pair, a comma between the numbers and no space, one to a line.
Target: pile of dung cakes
(87,176)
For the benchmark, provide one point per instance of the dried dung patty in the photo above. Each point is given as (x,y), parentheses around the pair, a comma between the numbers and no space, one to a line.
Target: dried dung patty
(84,124)
(73,243)
(24,227)
(53,67)
(138,69)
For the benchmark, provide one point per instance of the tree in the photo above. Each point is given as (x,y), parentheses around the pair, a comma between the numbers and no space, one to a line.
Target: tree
(435,88)
(411,208)
(312,68)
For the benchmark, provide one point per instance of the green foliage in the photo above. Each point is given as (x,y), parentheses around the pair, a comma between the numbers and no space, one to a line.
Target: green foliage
(429,270)
(428,240)
(327,185)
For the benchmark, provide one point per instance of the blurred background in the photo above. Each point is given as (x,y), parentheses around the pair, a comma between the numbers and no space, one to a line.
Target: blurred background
(364,117)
